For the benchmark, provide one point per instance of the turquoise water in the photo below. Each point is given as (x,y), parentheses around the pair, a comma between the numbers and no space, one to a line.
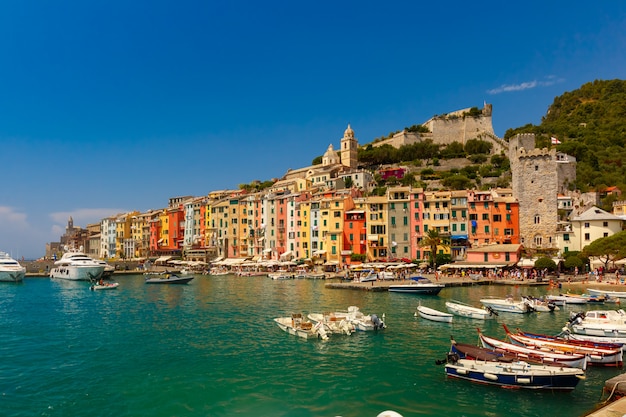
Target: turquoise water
(210,348)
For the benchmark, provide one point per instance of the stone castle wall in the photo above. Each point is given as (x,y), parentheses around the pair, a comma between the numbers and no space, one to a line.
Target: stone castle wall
(457,126)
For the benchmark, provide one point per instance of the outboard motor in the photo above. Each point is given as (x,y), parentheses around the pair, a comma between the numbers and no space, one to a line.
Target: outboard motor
(378,323)
(576,318)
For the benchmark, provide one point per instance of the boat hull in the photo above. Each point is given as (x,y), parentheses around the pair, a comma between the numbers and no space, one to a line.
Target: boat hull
(416,289)
(506,306)
(104,287)
(524,353)
(77,273)
(298,328)
(434,315)
(595,356)
(618,294)
(169,279)
(12,276)
(516,375)
(468,311)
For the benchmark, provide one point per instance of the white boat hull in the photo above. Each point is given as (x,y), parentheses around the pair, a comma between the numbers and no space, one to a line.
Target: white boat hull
(434,315)
(618,294)
(469,311)
(77,273)
(506,305)
(298,328)
(12,276)
(102,287)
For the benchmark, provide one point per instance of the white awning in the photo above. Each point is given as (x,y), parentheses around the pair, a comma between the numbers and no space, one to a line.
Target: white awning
(266,250)
(319,252)
(286,254)
(163,259)
(219,258)
(160,241)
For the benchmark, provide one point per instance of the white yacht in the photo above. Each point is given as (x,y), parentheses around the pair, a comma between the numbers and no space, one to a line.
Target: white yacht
(10,269)
(76,266)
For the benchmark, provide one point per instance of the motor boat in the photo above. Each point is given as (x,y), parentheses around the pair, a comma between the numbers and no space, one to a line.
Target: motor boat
(507,305)
(168,278)
(75,265)
(464,310)
(604,323)
(418,285)
(333,323)
(10,269)
(360,321)
(296,325)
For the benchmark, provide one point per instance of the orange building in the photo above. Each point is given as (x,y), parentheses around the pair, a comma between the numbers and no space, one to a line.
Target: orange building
(493,218)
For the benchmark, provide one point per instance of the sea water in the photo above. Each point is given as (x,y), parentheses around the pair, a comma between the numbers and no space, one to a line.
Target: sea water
(211,348)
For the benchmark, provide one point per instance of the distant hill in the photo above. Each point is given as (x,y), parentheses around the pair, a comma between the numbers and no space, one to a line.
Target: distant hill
(590,123)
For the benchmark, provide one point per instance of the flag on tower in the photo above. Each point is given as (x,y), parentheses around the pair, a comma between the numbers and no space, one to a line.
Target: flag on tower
(555,141)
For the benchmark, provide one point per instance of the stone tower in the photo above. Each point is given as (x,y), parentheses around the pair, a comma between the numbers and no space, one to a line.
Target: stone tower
(349,146)
(538,176)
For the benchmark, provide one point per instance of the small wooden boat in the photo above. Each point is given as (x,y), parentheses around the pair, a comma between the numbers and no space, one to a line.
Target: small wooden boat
(297,326)
(434,315)
(599,356)
(574,360)
(168,279)
(515,374)
(465,310)
(103,286)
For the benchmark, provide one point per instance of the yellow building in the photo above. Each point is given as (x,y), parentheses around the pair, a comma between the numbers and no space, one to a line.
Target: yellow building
(376,211)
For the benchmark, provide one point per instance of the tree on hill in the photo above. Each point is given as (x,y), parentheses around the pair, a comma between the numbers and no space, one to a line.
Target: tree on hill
(590,123)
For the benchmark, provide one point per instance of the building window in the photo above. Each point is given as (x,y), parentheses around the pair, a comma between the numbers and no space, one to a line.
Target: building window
(586,225)
(605,224)
(486,257)
(537,219)
(497,217)
(485,216)
(566,237)
(507,257)
(587,236)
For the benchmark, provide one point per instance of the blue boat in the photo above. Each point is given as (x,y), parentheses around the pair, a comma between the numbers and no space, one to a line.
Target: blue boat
(514,375)
(418,285)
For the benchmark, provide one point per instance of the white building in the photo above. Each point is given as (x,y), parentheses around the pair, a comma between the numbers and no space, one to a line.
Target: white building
(592,224)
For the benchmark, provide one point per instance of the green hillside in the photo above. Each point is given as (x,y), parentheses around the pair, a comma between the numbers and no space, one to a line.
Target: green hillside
(591,124)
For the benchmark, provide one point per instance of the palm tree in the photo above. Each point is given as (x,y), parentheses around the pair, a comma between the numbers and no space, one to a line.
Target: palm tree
(433,241)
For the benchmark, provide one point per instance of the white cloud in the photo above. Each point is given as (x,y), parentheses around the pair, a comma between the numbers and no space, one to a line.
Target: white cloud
(507,88)
(17,236)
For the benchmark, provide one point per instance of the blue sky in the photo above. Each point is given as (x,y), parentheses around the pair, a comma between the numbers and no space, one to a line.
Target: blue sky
(113,106)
